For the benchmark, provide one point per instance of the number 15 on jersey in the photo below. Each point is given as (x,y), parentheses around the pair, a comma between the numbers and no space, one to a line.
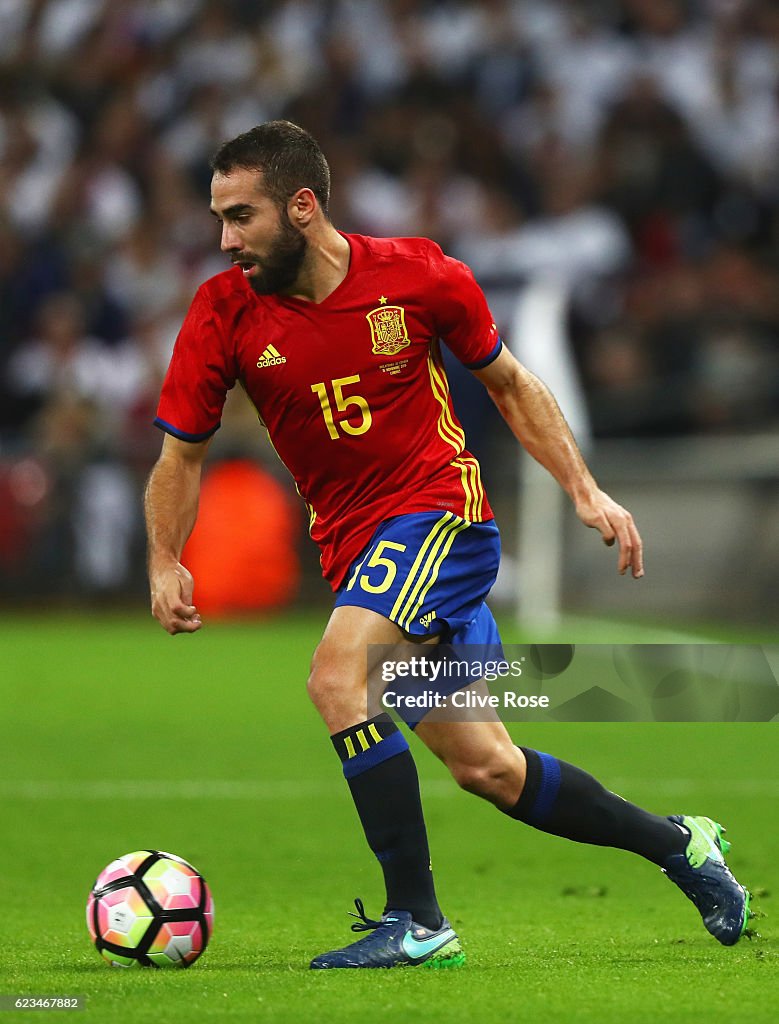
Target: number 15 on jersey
(343,404)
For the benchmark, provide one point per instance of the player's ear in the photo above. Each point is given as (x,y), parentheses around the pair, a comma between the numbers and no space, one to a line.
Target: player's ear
(302,207)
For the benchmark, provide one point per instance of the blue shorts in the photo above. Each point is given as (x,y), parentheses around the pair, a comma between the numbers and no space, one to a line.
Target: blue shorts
(429,573)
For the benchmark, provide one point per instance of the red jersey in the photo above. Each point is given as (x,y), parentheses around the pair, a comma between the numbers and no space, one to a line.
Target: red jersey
(352,390)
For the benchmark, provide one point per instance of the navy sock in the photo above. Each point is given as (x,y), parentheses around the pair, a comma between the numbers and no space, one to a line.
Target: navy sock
(564,800)
(382,777)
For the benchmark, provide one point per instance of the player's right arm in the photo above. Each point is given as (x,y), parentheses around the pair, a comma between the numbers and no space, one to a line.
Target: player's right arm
(170,507)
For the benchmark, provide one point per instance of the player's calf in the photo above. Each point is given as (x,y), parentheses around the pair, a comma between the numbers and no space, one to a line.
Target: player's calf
(497,779)
(480,756)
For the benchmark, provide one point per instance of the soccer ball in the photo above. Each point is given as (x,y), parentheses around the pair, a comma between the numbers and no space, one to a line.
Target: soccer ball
(150,909)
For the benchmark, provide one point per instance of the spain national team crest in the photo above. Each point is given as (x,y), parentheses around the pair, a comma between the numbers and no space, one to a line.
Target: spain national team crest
(388,330)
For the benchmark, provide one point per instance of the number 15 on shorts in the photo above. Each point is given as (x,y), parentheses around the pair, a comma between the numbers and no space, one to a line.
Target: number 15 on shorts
(378,561)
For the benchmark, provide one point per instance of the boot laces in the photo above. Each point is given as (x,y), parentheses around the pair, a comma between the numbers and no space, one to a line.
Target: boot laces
(363,923)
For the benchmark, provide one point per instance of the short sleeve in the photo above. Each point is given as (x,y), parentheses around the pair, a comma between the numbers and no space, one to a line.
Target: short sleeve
(199,376)
(461,314)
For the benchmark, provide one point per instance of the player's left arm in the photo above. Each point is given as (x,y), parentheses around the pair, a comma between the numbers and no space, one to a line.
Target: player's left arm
(533,415)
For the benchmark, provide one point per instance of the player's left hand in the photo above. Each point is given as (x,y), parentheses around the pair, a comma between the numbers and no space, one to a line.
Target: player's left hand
(615,523)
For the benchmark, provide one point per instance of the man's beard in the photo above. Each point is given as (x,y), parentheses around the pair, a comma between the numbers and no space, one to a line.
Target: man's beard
(280,268)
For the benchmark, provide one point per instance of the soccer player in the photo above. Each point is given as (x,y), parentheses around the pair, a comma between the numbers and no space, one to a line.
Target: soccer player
(335,339)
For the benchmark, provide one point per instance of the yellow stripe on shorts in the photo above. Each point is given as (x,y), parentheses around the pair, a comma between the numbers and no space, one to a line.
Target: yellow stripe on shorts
(447,517)
(432,564)
(446,547)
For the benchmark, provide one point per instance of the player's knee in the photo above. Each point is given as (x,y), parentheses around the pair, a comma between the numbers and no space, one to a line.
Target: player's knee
(339,697)
(326,697)
(322,680)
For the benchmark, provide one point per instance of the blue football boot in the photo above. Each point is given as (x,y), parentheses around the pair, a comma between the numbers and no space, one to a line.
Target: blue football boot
(395,941)
(704,877)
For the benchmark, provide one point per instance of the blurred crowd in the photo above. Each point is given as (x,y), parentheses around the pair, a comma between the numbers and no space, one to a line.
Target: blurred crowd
(627,149)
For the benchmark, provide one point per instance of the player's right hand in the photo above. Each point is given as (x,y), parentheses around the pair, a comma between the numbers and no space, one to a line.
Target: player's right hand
(171,599)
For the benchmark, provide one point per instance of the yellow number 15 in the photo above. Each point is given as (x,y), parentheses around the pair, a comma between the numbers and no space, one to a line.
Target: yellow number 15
(342,403)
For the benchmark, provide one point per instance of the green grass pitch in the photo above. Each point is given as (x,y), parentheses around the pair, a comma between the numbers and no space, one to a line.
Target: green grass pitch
(114,737)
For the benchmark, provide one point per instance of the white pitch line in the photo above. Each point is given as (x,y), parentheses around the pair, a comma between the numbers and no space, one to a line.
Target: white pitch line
(184,789)
(163,789)
(291,789)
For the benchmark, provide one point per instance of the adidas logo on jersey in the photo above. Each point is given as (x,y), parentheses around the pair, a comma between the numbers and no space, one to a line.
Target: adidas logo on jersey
(427,619)
(271,357)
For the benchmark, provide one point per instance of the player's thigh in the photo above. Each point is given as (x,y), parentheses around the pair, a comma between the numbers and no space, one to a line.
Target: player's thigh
(353,638)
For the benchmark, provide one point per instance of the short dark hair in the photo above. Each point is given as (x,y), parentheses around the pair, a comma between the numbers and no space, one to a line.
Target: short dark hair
(289,158)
